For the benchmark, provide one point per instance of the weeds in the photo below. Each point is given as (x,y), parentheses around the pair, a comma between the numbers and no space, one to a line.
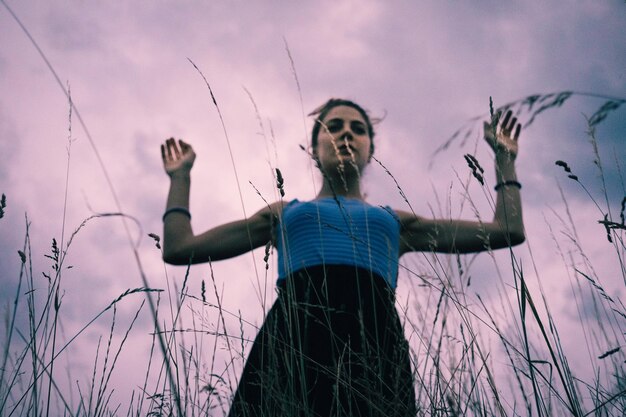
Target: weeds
(454,366)
(527,110)
(457,369)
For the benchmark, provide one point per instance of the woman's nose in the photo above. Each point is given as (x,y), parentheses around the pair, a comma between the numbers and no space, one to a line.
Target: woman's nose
(346,134)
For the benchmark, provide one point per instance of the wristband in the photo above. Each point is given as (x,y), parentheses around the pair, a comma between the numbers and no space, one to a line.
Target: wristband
(506,184)
(181,210)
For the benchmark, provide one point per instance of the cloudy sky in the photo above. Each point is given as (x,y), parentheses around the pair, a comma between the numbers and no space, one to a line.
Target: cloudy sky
(427,68)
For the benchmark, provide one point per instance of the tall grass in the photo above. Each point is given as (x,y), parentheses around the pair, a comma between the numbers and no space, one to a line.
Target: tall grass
(504,356)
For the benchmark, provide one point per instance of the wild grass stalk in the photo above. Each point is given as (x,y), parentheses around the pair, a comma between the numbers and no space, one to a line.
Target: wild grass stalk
(456,368)
(453,368)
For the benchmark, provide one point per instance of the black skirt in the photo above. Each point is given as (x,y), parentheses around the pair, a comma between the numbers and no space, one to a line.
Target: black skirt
(332,345)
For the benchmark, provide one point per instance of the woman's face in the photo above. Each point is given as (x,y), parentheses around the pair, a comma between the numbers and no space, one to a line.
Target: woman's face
(343,139)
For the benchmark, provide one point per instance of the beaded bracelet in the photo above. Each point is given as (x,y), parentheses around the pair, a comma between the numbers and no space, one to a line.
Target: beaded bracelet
(507,183)
(181,210)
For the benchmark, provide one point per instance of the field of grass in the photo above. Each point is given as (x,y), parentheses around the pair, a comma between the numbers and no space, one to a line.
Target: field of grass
(502,356)
(469,358)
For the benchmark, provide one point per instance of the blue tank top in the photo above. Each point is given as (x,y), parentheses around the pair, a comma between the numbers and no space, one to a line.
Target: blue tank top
(338,231)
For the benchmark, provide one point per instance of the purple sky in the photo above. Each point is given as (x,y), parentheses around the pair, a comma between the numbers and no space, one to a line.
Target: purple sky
(428,67)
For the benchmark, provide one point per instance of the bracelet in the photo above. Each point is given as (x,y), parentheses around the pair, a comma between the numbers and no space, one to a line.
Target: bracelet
(506,184)
(181,210)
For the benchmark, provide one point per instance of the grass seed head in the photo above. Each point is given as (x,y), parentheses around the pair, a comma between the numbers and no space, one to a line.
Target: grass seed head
(567,169)
(3,205)
(477,170)
(57,301)
(280,182)
(564,165)
(157,239)
(609,353)
(268,247)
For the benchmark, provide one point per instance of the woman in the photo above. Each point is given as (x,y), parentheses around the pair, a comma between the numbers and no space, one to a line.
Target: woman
(332,344)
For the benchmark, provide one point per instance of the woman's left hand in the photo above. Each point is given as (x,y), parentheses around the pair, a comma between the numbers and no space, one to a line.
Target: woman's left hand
(504,141)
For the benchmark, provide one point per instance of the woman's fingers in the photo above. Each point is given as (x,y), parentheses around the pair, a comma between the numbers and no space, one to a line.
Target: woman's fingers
(169,144)
(503,133)
(163,156)
(170,151)
(184,146)
(518,129)
(174,148)
(177,154)
(510,125)
(505,122)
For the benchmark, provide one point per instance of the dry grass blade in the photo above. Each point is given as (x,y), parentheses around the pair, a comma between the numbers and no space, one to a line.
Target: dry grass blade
(604,111)
(531,107)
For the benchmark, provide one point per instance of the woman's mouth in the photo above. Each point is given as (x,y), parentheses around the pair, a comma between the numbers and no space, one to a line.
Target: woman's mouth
(345,149)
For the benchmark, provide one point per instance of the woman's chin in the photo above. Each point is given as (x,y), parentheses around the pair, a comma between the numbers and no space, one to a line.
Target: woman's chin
(347,166)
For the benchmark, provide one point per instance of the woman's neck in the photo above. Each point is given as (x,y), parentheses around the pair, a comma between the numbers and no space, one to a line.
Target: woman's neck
(343,186)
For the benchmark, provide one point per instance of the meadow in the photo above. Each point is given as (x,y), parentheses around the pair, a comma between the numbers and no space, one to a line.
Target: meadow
(468,357)
(490,334)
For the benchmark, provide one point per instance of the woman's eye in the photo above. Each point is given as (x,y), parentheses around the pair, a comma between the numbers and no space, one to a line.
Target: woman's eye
(334,127)
(358,128)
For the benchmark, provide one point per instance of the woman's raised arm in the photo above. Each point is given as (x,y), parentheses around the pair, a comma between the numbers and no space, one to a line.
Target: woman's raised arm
(180,245)
(460,236)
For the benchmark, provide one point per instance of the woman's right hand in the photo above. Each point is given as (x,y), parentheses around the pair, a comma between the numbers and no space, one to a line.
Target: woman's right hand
(503,138)
(178,158)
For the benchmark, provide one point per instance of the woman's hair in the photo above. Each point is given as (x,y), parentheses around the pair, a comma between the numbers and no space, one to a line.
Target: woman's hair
(321,112)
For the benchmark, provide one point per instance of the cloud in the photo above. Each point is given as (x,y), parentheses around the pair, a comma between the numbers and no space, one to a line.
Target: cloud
(428,67)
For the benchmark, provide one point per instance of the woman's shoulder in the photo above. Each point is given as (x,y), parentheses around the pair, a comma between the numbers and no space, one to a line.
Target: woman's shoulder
(410,219)
(275,209)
